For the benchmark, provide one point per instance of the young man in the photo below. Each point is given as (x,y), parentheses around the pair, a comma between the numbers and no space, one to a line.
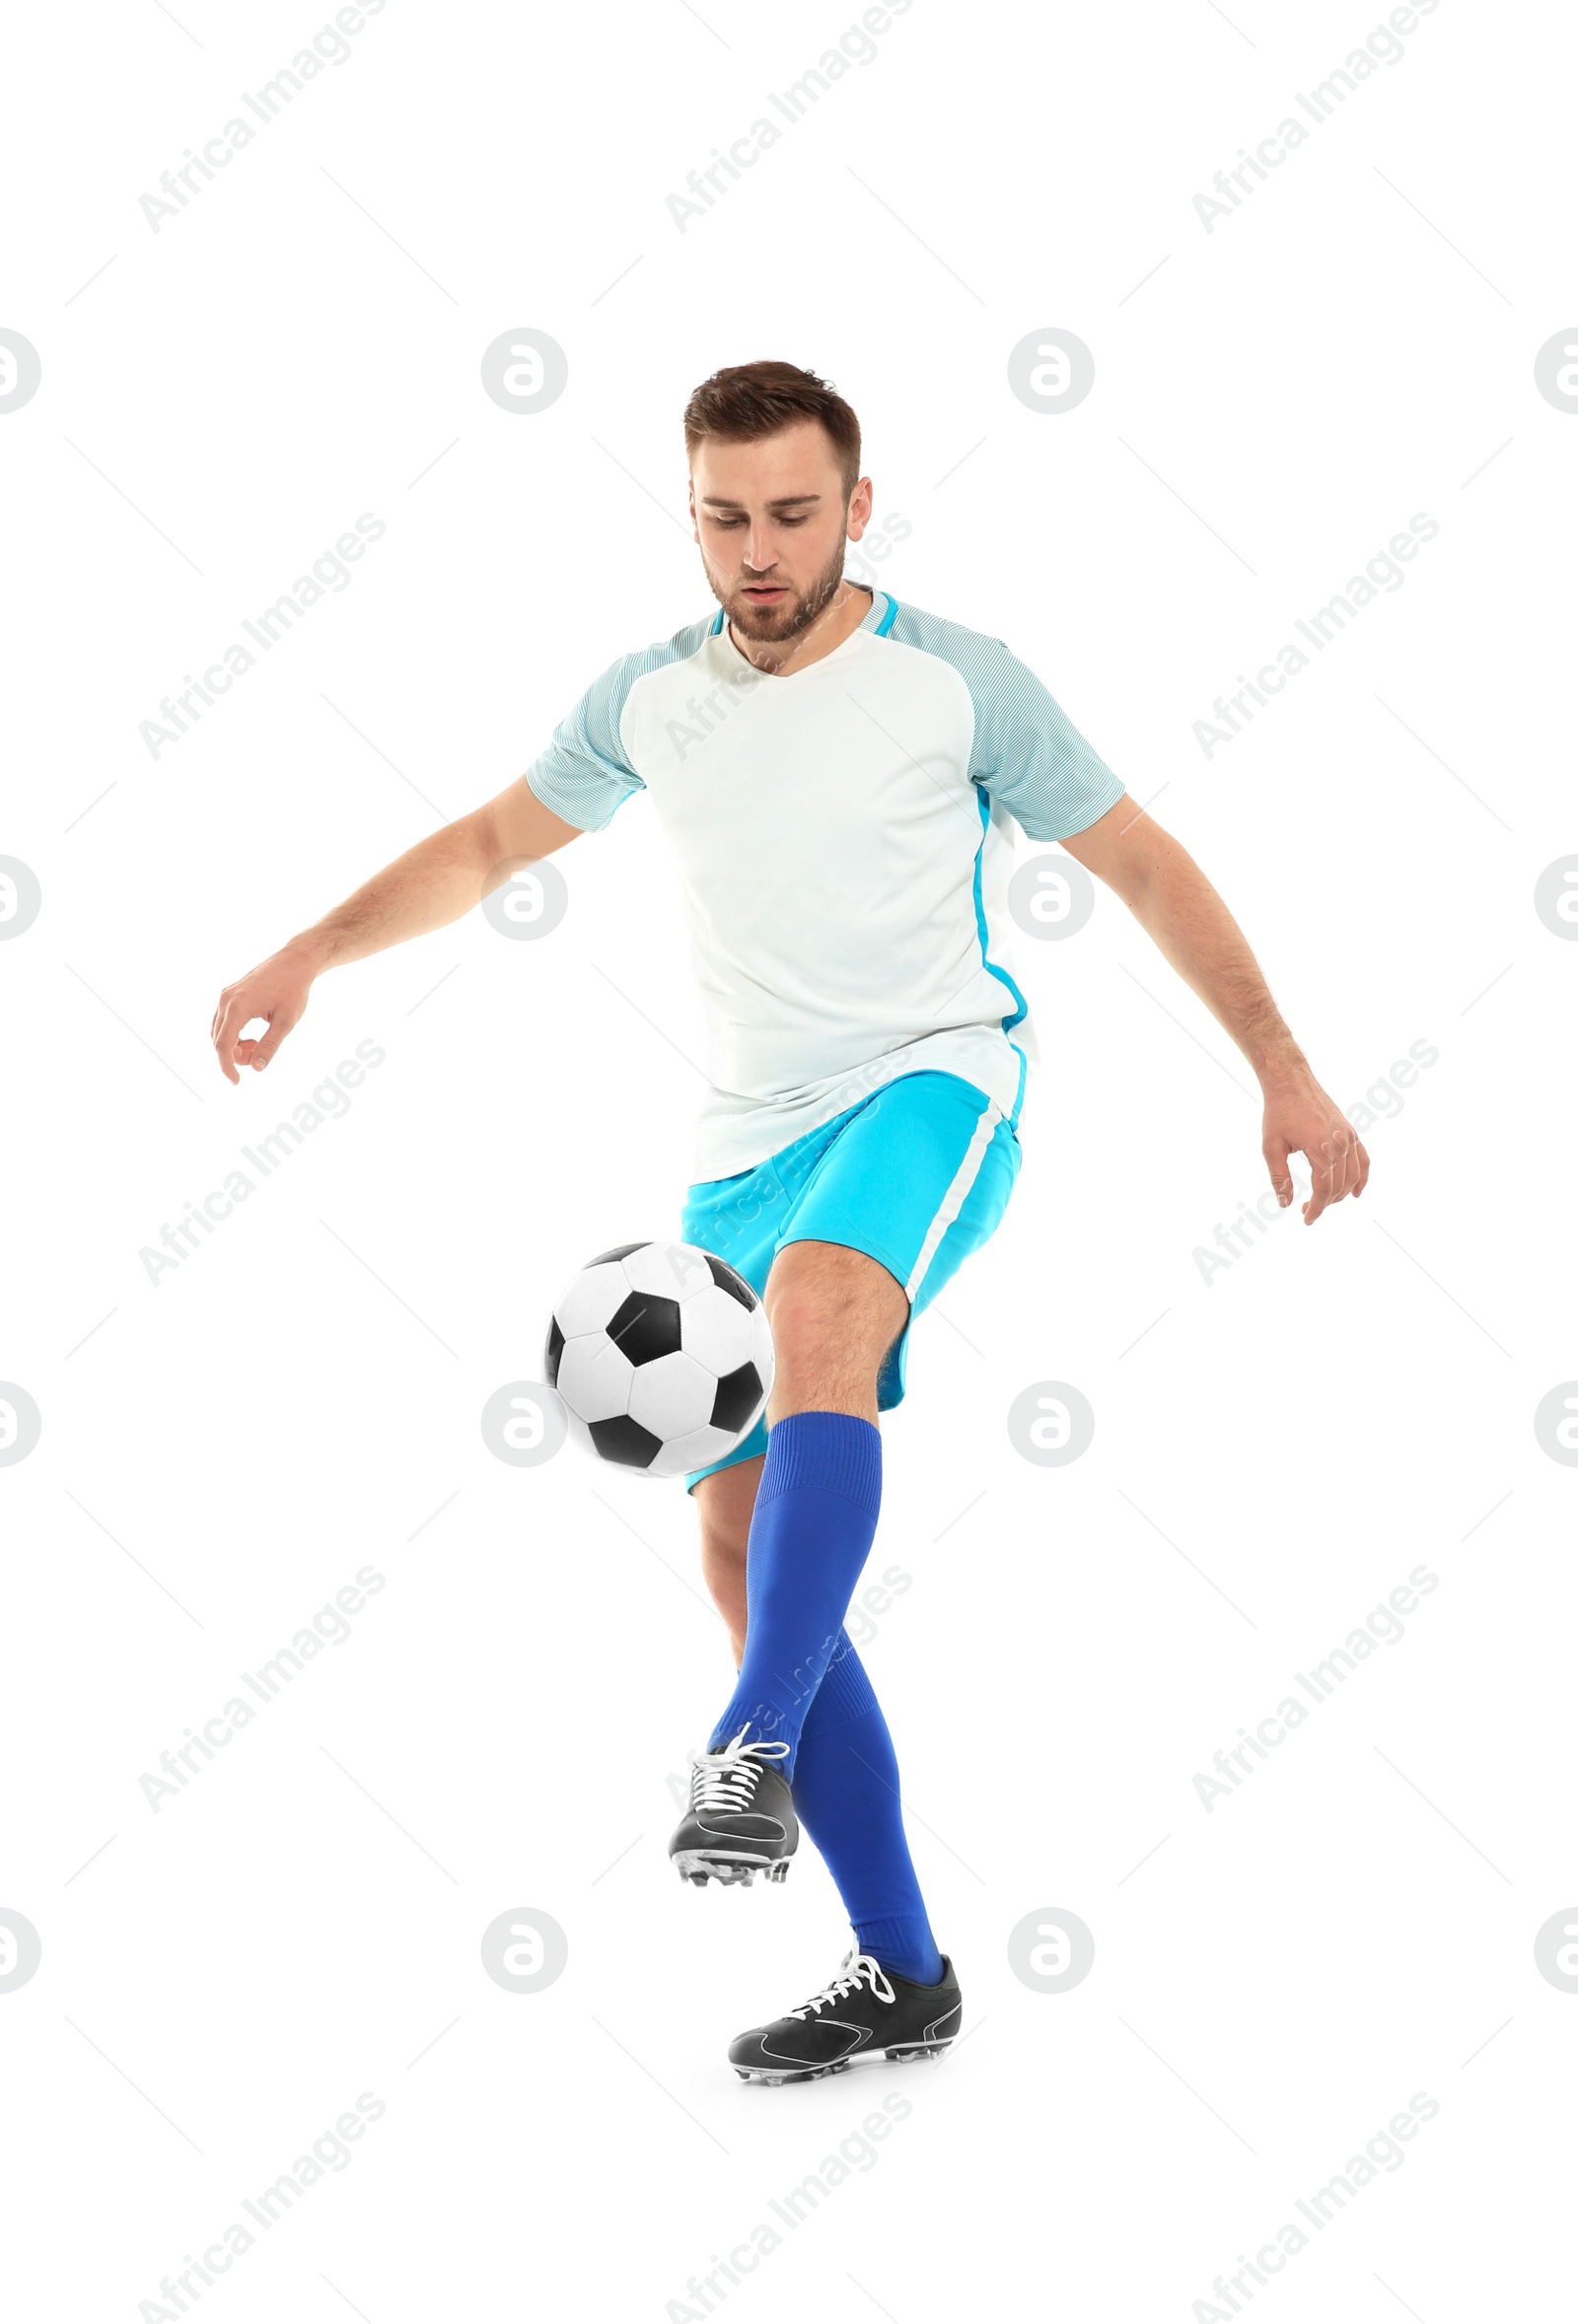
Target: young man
(839,776)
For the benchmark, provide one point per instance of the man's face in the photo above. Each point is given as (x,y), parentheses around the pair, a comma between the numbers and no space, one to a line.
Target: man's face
(771,519)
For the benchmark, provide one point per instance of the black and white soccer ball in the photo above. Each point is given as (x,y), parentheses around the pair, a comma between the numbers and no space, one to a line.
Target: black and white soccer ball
(662,1355)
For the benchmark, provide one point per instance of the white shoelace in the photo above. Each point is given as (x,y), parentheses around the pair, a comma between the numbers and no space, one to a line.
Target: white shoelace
(726,1781)
(854,1970)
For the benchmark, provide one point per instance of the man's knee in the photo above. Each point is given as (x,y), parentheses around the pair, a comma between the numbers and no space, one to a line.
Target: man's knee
(835,1314)
(724,1503)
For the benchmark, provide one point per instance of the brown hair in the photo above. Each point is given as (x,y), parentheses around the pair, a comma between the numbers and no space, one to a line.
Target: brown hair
(751,401)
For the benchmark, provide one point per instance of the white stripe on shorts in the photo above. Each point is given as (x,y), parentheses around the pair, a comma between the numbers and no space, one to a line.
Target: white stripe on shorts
(953,1201)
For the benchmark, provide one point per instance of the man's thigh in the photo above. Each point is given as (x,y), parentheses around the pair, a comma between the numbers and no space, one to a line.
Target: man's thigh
(912,1181)
(918,1180)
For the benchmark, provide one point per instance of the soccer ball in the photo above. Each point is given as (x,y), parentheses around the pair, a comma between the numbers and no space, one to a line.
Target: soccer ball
(662,1355)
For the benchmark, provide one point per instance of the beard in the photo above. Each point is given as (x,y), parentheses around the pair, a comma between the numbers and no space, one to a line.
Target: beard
(779,624)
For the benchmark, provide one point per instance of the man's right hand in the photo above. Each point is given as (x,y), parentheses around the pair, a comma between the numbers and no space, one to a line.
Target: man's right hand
(434,883)
(277,990)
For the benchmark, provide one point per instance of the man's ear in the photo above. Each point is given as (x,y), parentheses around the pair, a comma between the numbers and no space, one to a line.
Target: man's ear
(859,514)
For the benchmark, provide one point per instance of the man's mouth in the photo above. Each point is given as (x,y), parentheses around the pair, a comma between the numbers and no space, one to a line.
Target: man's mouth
(762,593)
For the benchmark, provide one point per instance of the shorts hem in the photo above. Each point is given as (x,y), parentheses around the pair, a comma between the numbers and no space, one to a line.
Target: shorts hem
(843,1243)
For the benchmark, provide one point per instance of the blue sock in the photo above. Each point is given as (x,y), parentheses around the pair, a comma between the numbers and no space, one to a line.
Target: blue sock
(811,1532)
(846,1795)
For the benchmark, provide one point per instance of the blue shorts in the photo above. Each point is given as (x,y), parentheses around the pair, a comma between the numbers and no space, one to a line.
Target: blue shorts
(916,1177)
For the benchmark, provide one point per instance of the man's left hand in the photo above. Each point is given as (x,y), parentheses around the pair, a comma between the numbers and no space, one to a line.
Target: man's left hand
(1300,1118)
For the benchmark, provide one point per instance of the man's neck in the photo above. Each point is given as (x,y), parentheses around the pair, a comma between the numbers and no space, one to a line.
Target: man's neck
(838,619)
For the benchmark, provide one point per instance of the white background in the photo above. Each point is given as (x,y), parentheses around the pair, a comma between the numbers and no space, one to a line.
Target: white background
(222,1450)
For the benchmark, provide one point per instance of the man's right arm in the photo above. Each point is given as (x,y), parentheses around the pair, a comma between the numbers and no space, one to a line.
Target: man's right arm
(432,884)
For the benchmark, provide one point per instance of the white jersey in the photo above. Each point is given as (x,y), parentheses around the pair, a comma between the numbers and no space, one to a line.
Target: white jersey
(844,845)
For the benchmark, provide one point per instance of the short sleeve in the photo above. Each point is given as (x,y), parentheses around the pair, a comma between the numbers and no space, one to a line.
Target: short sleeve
(1030,755)
(584,774)
(1026,754)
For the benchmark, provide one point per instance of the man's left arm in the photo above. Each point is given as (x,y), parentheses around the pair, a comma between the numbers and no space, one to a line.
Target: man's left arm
(1195,932)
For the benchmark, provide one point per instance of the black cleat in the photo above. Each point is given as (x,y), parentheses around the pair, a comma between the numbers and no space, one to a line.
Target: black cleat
(740,1820)
(864,2009)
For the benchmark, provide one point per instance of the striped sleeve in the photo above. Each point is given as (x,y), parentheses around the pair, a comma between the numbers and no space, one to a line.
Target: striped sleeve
(1026,751)
(1030,755)
(584,774)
